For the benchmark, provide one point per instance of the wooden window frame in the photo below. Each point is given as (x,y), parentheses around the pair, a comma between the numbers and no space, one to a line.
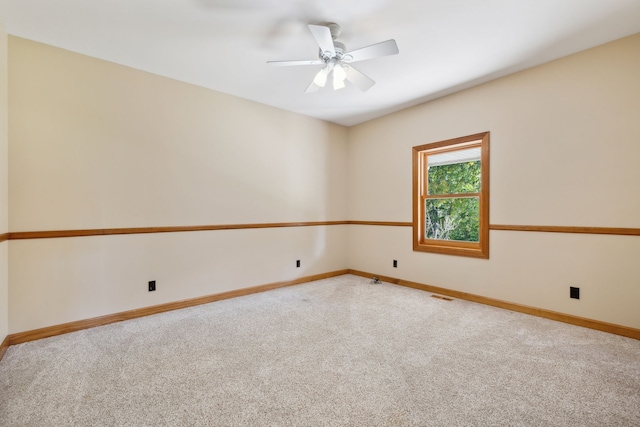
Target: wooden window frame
(448,247)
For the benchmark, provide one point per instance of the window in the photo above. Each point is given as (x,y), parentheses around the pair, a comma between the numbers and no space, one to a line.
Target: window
(451,196)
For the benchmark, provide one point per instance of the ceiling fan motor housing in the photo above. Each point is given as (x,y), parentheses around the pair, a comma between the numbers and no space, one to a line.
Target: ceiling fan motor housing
(340,50)
(335,29)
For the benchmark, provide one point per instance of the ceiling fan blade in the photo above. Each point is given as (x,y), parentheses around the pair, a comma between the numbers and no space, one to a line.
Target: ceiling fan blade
(363,82)
(322,35)
(292,63)
(377,50)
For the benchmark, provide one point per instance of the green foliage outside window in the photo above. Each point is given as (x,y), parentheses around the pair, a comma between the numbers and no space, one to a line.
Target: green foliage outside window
(456,218)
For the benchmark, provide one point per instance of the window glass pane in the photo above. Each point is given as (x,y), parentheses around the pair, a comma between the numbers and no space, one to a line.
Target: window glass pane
(454,172)
(455,218)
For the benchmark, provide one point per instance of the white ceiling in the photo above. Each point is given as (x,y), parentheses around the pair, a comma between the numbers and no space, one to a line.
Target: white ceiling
(445,45)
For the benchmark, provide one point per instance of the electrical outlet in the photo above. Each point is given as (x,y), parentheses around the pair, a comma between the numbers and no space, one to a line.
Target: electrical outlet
(298,263)
(152,285)
(574,292)
(395,263)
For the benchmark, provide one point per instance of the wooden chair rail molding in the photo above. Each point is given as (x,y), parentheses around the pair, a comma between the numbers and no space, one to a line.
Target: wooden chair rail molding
(568,229)
(383,223)
(22,235)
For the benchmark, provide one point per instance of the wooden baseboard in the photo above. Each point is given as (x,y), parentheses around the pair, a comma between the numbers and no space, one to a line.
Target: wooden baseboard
(540,312)
(4,346)
(64,328)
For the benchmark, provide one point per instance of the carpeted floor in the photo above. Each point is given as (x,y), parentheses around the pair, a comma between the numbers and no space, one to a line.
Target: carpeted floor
(335,352)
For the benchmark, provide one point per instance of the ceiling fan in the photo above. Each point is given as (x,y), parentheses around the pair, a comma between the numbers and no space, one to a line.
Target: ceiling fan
(336,60)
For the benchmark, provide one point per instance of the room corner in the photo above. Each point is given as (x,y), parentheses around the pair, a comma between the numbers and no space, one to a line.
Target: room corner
(4,194)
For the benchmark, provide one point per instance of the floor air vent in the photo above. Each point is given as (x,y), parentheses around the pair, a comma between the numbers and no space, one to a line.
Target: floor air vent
(441,297)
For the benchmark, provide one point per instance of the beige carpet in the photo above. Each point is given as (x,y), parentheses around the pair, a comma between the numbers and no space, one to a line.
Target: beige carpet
(335,352)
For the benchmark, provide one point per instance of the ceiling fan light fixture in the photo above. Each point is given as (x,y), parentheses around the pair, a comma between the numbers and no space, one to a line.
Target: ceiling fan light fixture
(338,84)
(339,76)
(333,54)
(321,78)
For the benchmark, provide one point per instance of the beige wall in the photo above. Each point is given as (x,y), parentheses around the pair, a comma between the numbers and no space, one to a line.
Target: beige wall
(98,145)
(4,189)
(95,144)
(55,281)
(564,151)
